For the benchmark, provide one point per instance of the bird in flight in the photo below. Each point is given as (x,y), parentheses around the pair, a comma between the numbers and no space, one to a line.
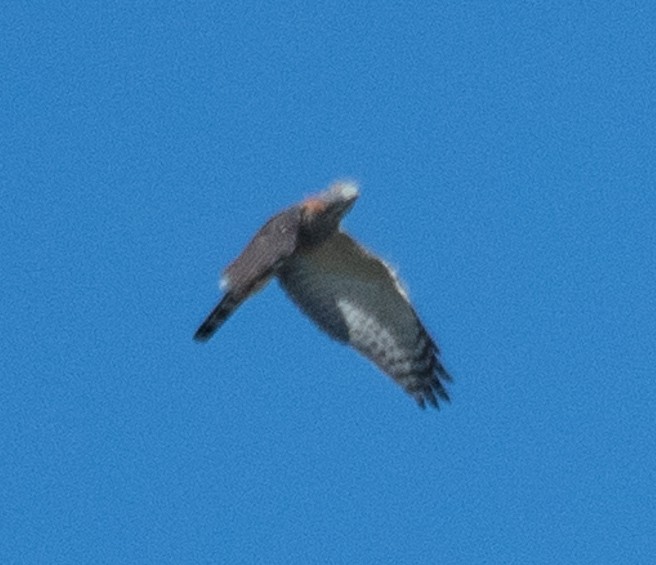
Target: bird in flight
(352,295)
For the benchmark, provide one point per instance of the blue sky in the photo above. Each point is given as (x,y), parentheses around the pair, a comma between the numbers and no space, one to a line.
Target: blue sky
(507,167)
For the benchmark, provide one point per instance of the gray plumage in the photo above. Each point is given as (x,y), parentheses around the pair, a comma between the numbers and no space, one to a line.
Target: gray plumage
(349,293)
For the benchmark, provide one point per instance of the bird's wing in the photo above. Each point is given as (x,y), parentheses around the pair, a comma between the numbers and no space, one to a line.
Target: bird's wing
(357,299)
(247,274)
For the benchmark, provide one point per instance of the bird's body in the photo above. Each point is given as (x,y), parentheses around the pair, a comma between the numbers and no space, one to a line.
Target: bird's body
(349,293)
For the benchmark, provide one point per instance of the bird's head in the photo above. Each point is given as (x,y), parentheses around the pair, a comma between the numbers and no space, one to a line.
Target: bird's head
(321,214)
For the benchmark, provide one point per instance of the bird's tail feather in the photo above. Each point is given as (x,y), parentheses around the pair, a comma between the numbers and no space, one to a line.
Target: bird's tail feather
(216,318)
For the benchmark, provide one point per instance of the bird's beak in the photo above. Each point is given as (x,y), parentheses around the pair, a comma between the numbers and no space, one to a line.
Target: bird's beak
(346,191)
(343,195)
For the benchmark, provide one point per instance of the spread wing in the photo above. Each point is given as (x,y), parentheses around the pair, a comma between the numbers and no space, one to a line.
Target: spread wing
(356,298)
(247,274)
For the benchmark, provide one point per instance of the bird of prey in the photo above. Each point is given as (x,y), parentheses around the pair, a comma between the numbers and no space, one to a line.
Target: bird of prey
(352,295)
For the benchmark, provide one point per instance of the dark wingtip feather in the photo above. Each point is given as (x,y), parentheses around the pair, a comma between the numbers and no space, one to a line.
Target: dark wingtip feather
(204,332)
(429,386)
(430,389)
(216,318)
